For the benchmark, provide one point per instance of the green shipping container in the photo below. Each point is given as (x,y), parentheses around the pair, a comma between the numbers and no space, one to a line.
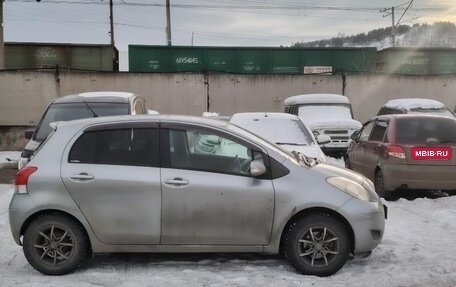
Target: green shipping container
(19,56)
(417,61)
(250,60)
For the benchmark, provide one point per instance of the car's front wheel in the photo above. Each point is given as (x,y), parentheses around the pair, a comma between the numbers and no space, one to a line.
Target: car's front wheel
(54,244)
(317,244)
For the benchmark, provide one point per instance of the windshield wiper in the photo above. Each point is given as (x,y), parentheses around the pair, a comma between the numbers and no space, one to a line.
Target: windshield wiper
(94,114)
(281,143)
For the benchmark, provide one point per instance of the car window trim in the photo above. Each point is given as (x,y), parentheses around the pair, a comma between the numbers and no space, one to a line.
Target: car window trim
(384,134)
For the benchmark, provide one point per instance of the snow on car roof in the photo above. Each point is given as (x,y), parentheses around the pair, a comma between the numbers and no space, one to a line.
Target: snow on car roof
(414,103)
(264,115)
(316,99)
(106,94)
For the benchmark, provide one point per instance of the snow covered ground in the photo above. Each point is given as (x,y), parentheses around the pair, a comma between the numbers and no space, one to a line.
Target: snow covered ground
(417,250)
(8,159)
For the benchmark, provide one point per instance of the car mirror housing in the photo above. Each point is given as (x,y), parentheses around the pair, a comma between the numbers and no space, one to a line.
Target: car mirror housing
(257,168)
(28,134)
(354,136)
(323,139)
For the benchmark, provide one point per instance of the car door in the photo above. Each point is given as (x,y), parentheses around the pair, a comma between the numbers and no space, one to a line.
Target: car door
(208,194)
(374,147)
(358,147)
(113,174)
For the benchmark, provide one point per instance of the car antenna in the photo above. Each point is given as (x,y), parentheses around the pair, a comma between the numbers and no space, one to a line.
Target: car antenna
(94,114)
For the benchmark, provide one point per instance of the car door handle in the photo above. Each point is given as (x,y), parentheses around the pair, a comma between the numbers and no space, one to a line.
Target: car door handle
(177,181)
(82,176)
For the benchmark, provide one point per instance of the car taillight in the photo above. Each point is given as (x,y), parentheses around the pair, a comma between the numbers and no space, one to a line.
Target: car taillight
(396,151)
(21,179)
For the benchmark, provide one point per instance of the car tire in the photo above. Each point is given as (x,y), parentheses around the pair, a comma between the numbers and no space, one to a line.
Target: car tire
(379,185)
(317,244)
(55,244)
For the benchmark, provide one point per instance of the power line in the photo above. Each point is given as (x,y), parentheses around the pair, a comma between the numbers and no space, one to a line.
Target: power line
(235,7)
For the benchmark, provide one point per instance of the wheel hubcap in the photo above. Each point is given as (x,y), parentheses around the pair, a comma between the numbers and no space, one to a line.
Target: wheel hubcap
(318,246)
(54,245)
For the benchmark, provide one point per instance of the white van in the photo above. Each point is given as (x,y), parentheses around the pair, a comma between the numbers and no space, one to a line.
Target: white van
(326,114)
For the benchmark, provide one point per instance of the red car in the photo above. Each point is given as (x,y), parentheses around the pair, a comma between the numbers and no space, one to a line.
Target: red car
(413,151)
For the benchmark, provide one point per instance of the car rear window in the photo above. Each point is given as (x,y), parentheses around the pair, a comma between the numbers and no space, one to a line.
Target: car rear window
(425,130)
(74,111)
(134,147)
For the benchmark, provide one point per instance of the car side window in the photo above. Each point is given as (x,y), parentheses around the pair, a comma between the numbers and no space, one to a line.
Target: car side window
(366,131)
(199,149)
(133,147)
(379,131)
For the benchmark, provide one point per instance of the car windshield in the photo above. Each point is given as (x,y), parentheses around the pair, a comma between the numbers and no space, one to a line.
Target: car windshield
(425,130)
(277,130)
(324,112)
(74,111)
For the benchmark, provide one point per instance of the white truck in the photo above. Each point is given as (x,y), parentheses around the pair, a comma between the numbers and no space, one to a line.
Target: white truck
(326,114)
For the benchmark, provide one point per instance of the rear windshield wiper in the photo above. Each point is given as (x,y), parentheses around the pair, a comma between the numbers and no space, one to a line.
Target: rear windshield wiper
(94,114)
(447,141)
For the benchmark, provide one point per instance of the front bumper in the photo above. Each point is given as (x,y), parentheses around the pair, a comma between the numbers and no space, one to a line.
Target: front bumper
(367,220)
(408,176)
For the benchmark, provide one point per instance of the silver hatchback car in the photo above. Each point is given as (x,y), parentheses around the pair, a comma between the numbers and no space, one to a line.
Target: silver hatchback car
(186,184)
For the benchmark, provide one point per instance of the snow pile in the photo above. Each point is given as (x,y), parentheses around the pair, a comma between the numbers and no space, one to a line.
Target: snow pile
(210,115)
(9,159)
(316,99)
(414,103)
(417,250)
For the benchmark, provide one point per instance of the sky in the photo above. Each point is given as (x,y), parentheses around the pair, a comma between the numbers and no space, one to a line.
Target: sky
(211,22)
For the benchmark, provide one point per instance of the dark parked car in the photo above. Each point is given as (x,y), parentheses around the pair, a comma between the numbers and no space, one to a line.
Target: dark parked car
(80,106)
(405,152)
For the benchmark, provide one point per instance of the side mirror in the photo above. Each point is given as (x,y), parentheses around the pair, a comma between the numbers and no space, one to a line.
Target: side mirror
(28,134)
(257,168)
(213,140)
(355,136)
(323,139)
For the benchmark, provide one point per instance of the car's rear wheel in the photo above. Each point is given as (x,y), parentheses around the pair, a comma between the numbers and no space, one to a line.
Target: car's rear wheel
(54,244)
(317,244)
(379,185)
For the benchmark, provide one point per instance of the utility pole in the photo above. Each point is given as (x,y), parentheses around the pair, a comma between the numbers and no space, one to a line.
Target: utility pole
(393,26)
(168,23)
(2,44)
(192,36)
(111,22)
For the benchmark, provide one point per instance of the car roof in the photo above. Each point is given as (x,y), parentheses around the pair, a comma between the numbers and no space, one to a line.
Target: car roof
(316,99)
(263,115)
(413,103)
(415,115)
(144,118)
(94,97)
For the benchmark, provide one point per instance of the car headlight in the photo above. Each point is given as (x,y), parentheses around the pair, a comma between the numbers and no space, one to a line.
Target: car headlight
(353,188)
